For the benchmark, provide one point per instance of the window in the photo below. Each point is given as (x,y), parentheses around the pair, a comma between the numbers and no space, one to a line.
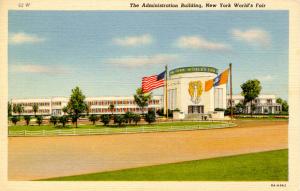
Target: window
(56,103)
(219,98)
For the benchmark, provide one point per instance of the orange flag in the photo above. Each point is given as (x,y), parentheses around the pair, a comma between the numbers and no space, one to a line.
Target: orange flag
(223,77)
(209,84)
(219,80)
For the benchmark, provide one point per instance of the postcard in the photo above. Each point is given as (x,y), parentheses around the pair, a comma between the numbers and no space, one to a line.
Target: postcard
(150,95)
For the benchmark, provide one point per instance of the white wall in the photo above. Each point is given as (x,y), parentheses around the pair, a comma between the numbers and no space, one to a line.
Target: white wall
(181,83)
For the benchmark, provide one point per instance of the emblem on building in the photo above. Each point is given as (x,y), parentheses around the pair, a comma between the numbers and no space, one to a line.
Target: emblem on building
(195,91)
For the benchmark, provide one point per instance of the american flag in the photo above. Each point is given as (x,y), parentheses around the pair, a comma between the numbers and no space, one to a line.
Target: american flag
(152,82)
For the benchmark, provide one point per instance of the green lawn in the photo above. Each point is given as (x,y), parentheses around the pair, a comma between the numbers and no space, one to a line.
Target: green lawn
(262,117)
(263,166)
(159,125)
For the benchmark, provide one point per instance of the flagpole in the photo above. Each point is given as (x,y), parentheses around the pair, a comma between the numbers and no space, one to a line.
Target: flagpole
(231,109)
(166,91)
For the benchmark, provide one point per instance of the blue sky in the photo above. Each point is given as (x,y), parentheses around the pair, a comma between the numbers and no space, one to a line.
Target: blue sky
(108,52)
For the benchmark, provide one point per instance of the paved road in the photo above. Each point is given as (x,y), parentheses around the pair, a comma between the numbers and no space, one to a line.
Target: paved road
(32,158)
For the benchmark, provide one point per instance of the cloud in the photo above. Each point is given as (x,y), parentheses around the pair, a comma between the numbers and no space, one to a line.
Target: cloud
(197,42)
(265,78)
(132,61)
(144,39)
(21,38)
(254,36)
(38,69)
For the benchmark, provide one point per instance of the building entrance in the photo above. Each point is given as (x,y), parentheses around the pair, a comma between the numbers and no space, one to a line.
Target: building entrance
(195,109)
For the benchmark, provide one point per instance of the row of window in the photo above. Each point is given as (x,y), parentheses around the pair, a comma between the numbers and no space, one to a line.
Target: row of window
(39,111)
(256,101)
(268,109)
(105,110)
(103,102)
(56,103)
(268,101)
(32,103)
(119,102)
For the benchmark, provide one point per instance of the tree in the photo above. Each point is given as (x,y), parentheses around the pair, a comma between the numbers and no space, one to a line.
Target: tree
(142,99)
(27,118)
(279,100)
(119,119)
(73,119)
(150,117)
(128,117)
(53,120)
(250,90)
(63,120)
(105,119)
(39,119)
(284,104)
(15,119)
(240,108)
(253,107)
(15,108)
(9,109)
(35,108)
(65,110)
(88,107)
(76,105)
(18,108)
(136,118)
(111,108)
(93,118)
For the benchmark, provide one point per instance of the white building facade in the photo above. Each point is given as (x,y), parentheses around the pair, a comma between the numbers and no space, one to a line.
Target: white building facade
(186,94)
(186,91)
(97,105)
(264,104)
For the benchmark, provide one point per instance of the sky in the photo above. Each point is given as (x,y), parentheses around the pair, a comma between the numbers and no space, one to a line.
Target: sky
(106,53)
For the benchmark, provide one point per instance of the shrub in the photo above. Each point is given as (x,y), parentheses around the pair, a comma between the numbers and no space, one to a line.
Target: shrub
(128,117)
(63,120)
(27,118)
(105,119)
(228,111)
(160,112)
(39,120)
(176,110)
(283,113)
(170,113)
(14,119)
(150,116)
(119,119)
(219,109)
(93,118)
(53,120)
(136,118)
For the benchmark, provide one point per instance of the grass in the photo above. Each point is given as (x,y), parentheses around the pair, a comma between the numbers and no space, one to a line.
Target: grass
(262,118)
(111,127)
(263,166)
